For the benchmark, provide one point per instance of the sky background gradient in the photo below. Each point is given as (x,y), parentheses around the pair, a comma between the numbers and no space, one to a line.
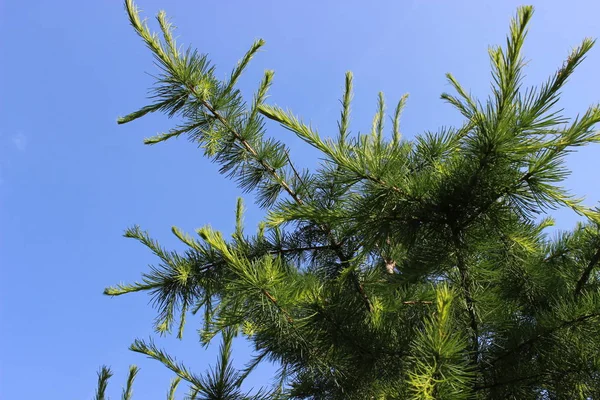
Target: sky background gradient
(71,180)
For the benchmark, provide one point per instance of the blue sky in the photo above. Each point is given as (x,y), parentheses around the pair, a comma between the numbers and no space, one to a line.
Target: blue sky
(71,180)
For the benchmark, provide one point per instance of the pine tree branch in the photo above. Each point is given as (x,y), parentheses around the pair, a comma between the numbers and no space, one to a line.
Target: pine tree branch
(363,294)
(128,390)
(166,59)
(150,350)
(206,267)
(248,147)
(554,255)
(345,261)
(290,122)
(300,249)
(344,122)
(359,287)
(561,373)
(542,335)
(396,120)
(511,381)
(103,376)
(327,230)
(349,337)
(294,170)
(587,272)
(488,205)
(578,134)
(410,302)
(273,300)
(173,388)
(465,282)
(381,182)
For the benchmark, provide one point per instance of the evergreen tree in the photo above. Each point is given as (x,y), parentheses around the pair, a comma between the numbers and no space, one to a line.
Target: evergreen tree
(399,269)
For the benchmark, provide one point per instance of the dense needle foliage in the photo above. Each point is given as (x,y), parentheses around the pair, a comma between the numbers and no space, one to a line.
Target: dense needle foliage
(399,269)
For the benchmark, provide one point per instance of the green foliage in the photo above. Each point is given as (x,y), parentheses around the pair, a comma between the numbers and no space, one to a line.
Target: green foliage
(399,268)
(103,376)
(440,369)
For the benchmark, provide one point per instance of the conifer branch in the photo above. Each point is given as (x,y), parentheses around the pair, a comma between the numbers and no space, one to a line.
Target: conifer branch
(562,373)
(378,120)
(345,263)
(249,148)
(437,355)
(128,390)
(545,333)
(306,133)
(453,203)
(300,249)
(273,300)
(344,122)
(194,391)
(466,285)
(103,376)
(216,241)
(345,334)
(587,272)
(361,290)
(396,120)
(173,388)
(295,171)
(242,64)
(150,350)
(289,121)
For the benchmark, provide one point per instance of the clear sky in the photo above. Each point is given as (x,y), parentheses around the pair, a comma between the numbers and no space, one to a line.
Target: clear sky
(71,180)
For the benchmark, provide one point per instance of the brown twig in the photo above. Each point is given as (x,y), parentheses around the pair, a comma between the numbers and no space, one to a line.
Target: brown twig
(276,304)
(291,164)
